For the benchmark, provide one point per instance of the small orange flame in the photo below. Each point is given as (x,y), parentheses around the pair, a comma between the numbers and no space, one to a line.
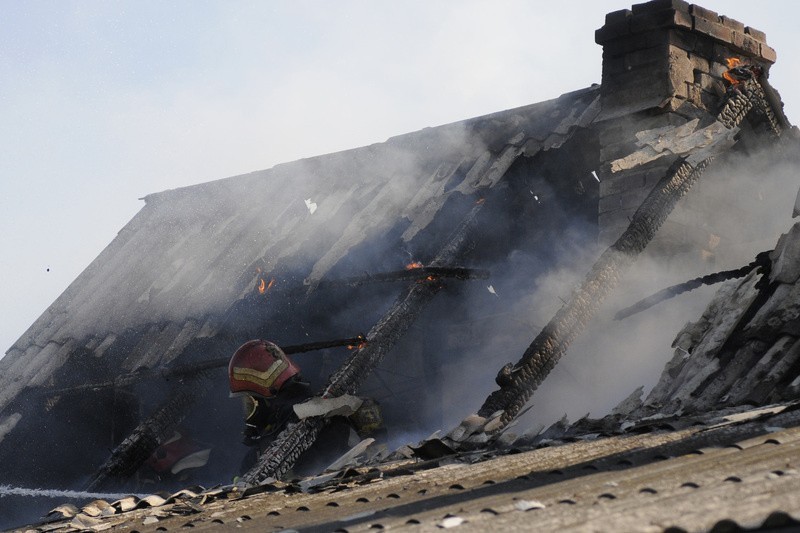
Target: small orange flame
(271,283)
(358,346)
(413,265)
(730,79)
(480,201)
(262,286)
(733,62)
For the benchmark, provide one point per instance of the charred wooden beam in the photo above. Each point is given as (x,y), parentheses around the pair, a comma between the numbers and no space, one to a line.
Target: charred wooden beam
(417,273)
(761,261)
(519,381)
(189,369)
(297,437)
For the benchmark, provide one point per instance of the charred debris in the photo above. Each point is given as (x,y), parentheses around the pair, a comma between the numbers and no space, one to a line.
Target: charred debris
(477,212)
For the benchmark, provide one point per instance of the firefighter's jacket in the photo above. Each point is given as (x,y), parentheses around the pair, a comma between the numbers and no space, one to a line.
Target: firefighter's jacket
(266,417)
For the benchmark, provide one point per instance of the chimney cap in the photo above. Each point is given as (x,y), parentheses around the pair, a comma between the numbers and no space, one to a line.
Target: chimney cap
(664,15)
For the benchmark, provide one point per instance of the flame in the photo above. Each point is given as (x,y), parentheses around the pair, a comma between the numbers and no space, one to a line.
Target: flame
(413,265)
(263,286)
(480,201)
(733,62)
(731,79)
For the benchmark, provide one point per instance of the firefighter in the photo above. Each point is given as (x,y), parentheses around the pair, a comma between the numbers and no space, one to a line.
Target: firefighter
(270,384)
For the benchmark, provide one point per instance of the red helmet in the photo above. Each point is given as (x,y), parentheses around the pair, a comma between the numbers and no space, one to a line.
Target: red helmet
(261,368)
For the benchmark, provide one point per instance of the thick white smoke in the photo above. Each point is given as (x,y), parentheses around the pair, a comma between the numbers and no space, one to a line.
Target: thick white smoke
(739,207)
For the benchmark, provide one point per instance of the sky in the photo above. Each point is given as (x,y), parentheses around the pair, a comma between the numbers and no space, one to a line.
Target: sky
(104,102)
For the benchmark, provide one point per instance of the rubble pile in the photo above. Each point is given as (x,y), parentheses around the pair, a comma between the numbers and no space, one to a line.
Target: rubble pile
(745,349)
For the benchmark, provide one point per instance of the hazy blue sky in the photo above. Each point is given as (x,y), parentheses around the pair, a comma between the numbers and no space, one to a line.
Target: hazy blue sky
(105,102)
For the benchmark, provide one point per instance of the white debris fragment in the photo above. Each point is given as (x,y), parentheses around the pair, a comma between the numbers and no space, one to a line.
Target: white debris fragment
(344,405)
(595,176)
(527,505)
(312,206)
(491,289)
(451,521)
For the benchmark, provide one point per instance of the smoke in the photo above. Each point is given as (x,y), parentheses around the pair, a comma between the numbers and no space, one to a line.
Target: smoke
(736,210)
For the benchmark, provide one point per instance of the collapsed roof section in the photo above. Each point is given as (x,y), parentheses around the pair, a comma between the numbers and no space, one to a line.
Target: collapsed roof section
(745,349)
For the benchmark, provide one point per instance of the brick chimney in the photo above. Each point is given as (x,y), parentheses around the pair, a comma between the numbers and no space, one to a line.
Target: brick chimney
(660,53)
(662,67)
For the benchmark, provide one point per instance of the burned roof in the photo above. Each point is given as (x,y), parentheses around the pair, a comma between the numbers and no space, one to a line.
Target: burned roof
(314,250)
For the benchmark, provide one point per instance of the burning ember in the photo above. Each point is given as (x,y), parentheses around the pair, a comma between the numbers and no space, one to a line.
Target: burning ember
(413,265)
(361,344)
(357,346)
(738,72)
(263,286)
